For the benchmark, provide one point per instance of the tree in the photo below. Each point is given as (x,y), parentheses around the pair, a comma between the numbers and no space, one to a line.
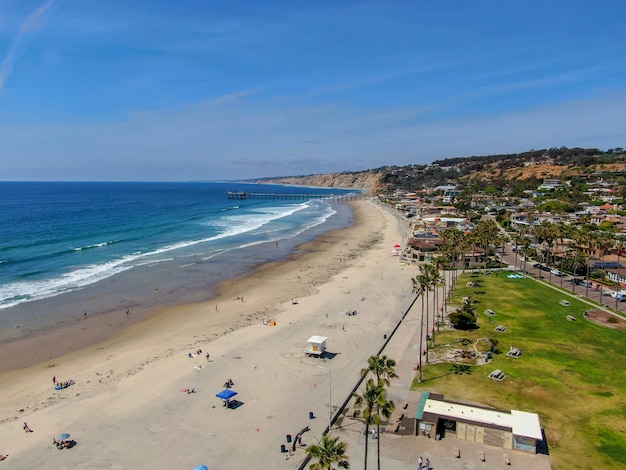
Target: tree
(439,280)
(384,369)
(464,318)
(421,286)
(375,406)
(329,451)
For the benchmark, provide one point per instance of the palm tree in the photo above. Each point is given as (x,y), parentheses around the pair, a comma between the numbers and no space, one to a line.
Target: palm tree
(375,404)
(439,280)
(576,260)
(384,369)
(421,286)
(604,241)
(584,241)
(329,451)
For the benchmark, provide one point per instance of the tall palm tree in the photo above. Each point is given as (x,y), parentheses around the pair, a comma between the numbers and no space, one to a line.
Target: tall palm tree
(439,280)
(429,273)
(375,406)
(328,452)
(584,242)
(562,231)
(576,259)
(383,368)
(422,284)
(604,241)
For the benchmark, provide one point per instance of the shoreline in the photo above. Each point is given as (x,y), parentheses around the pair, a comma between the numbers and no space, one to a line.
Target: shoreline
(126,409)
(107,303)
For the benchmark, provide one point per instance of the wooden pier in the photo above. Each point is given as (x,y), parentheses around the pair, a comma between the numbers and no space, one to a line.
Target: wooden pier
(295,196)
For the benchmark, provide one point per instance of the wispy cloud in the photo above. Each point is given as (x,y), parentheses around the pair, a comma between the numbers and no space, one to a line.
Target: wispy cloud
(30,24)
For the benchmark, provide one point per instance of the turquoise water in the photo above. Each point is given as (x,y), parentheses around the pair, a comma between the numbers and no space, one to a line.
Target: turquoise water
(59,238)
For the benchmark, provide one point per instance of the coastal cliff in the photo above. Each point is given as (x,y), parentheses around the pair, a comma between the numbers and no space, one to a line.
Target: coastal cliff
(364,180)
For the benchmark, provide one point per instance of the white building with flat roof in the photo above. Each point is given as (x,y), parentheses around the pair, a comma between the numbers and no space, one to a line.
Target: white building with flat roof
(518,430)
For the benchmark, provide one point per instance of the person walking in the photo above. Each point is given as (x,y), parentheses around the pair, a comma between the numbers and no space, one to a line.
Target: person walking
(427,464)
(420,462)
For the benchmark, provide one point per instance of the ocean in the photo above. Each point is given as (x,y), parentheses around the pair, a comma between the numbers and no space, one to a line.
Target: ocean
(71,248)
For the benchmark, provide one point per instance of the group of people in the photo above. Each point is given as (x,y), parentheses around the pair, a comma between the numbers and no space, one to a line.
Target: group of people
(423,465)
(62,385)
(61,444)
(229,383)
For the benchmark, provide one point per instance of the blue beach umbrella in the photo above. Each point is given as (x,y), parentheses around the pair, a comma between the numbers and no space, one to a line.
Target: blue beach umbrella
(201,467)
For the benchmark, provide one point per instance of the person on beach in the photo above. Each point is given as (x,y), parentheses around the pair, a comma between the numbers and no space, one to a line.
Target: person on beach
(420,462)
(207,356)
(54,380)
(26,428)
(427,464)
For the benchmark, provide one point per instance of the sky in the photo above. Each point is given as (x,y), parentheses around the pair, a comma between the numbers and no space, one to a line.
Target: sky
(112,90)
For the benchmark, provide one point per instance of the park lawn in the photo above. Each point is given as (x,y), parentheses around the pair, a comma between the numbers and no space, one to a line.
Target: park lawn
(571,373)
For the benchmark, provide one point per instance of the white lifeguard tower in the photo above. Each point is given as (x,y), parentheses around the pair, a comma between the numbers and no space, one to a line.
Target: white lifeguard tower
(316,346)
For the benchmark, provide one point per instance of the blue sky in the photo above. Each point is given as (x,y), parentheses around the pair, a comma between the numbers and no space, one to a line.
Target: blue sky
(207,89)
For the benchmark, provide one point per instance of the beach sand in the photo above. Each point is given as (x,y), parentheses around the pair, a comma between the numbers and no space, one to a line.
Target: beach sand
(127,408)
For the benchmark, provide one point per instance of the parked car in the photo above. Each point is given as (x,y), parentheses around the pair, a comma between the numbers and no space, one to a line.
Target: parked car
(621,296)
(537,265)
(544,268)
(556,272)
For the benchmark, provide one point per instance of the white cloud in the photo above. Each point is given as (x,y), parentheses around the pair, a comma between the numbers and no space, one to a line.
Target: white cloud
(30,24)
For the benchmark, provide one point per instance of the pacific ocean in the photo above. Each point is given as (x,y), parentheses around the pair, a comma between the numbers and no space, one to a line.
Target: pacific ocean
(70,249)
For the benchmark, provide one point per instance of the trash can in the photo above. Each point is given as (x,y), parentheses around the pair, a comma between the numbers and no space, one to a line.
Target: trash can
(311,415)
(282,448)
(288,437)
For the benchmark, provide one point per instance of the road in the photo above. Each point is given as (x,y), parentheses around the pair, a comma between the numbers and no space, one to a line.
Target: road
(597,293)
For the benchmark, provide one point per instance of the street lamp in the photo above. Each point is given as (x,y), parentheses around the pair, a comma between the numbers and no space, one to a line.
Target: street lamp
(330,387)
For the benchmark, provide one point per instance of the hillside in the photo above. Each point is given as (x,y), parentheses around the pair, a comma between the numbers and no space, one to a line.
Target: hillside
(364,180)
(520,171)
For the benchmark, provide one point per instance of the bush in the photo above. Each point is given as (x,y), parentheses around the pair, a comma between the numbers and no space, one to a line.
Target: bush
(463,320)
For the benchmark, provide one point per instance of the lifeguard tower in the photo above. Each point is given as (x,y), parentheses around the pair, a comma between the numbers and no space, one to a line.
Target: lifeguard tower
(316,346)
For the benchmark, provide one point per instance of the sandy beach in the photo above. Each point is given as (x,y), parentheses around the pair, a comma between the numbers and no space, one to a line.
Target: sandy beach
(127,408)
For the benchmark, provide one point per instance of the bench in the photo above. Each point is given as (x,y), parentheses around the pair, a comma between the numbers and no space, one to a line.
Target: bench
(481,456)
(457,453)
(507,460)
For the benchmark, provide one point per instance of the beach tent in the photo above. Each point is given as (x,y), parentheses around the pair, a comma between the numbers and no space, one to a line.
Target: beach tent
(226,394)
(201,467)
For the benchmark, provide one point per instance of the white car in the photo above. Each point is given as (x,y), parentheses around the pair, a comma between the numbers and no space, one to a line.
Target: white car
(621,296)
(556,272)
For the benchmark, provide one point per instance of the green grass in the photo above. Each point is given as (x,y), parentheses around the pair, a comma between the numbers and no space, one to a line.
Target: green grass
(571,373)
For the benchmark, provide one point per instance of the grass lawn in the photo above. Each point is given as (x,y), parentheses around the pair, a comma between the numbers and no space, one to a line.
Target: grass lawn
(571,373)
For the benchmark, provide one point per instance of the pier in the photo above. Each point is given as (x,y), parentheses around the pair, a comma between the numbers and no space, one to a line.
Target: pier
(296,196)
